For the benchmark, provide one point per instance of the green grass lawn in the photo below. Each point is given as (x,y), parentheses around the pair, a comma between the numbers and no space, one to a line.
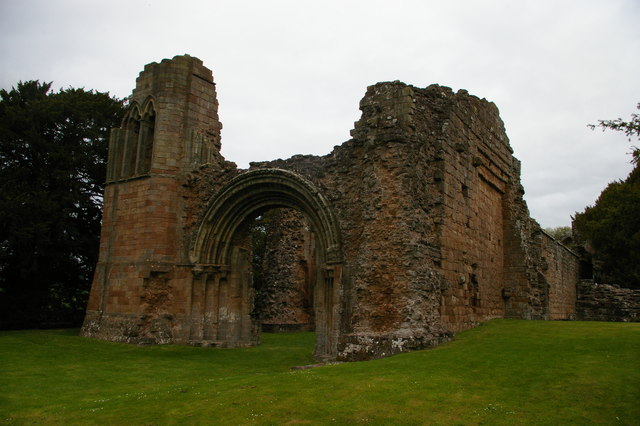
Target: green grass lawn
(503,372)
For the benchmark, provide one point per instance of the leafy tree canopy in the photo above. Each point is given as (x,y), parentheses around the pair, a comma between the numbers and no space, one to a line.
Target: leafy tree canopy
(560,233)
(609,231)
(630,128)
(53,150)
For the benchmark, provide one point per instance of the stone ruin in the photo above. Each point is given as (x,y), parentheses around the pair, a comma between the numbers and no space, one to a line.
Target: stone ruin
(607,302)
(410,231)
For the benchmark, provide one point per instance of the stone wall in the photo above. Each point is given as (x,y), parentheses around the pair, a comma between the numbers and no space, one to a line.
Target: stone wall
(429,177)
(417,227)
(605,302)
(559,267)
(284,299)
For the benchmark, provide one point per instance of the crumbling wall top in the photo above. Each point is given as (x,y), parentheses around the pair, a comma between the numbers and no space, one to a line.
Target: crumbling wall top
(180,61)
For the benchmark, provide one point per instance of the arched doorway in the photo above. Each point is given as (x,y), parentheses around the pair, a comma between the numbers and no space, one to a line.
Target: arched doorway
(221,299)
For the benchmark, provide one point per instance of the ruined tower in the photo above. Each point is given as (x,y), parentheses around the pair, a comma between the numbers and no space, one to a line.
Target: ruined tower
(171,127)
(416,226)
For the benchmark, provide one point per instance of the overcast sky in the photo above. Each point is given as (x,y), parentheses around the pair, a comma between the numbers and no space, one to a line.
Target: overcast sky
(290,73)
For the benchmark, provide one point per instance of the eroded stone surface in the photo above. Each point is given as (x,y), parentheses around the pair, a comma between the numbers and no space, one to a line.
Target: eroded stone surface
(285,291)
(605,302)
(416,228)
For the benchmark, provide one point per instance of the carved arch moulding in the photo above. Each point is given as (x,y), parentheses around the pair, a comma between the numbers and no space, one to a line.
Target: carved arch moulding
(221,266)
(256,191)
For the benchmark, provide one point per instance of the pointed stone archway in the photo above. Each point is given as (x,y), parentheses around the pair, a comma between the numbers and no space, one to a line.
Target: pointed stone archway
(221,299)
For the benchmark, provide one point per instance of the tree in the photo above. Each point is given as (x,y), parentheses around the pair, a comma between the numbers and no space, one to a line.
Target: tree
(560,233)
(53,150)
(630,128)
(609,231)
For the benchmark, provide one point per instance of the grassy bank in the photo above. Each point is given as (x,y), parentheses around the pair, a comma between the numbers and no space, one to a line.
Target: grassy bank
(504,372)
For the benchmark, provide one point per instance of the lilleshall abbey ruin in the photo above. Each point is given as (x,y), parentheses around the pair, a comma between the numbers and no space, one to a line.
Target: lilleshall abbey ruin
(410,231)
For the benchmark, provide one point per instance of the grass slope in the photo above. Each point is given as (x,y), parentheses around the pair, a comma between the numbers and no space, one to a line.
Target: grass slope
(503,372)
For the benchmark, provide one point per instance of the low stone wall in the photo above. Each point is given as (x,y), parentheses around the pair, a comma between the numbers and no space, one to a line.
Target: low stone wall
(604,302)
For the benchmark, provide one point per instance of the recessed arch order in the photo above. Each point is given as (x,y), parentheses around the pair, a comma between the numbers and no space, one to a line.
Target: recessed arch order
(221,301)
(256,191)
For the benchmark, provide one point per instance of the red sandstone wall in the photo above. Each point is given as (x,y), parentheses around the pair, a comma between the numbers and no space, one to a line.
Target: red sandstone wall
(140,292)
(562,275)
(477,168)
(436,234)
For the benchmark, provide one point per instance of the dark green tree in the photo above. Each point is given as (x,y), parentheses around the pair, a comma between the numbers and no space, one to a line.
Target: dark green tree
(608,232)
(53,150)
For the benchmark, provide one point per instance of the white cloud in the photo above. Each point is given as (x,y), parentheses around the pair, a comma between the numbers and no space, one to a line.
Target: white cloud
(290,73)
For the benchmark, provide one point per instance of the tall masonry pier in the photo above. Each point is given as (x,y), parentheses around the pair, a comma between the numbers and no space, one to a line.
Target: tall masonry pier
(140,289)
